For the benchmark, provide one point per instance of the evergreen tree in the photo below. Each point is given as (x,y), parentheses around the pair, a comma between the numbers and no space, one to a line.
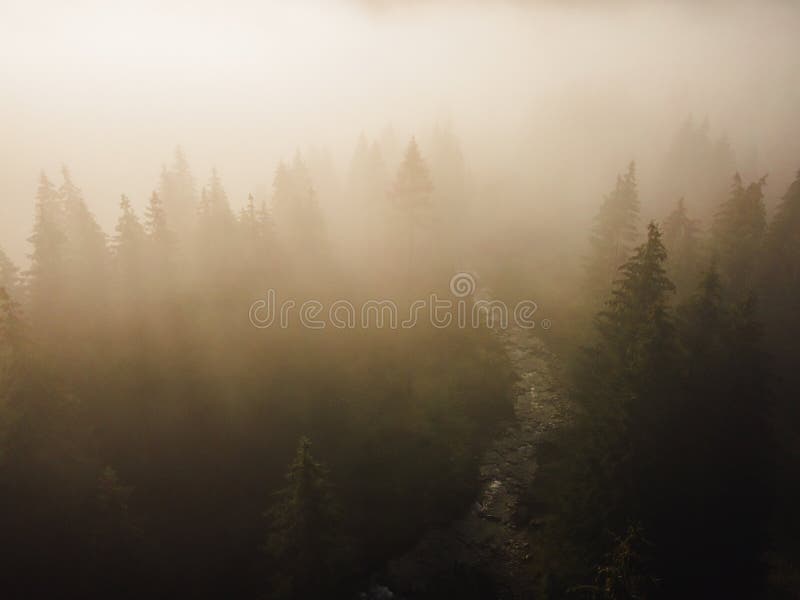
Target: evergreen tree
(9,278)
(614,232)
(155,222)
(635,324)
(114,532)
(412,187)
(696,166)
(623,387)
(411,195)
(85,254)
(217,248)
(366,217)
(256,236)
(725,444)
(177,192)
(781,266)
(681,239)
(214,207)
(45,278)
(128,243)
(298,217)
(160,253)
(305,536)
(738,234)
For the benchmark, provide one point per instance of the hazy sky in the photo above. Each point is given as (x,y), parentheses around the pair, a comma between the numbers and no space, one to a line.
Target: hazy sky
(110,87)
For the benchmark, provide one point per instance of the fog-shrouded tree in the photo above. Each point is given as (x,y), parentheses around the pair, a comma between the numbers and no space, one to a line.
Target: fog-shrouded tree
(738,235)
(299,222)
(781,263)
(86,264)
(779,308)
(257,233)
(129,243)
(178,194)
(45,277)
(9,274)
(697,166)
(683,244)
(305,538)
(614,233)
(725,443)
(217,248)
(412,201)
(623,387)
(365,200)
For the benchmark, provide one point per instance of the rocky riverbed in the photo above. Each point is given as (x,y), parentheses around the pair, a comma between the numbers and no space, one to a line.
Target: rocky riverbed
(483,553)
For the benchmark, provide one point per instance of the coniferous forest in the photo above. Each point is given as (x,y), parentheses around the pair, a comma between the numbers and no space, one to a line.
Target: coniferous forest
(451,358)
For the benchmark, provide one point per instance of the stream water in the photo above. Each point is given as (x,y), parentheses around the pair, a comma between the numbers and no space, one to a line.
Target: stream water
(486,546)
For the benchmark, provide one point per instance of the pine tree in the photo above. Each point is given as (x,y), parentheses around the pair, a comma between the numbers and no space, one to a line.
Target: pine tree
(305,536)
(622,391)
(160,258)
(725,443)
(256,233)
(681,239)
(128,243)
(45,278)
(738,234)
(411,196)
(614,232)
(298,218)
(635,323)
(216,247)
(781,270)
(155,223)
(412,187)
(696,166)
(214,206)
(9,278)
(11,338)
(177,192)
(84,304)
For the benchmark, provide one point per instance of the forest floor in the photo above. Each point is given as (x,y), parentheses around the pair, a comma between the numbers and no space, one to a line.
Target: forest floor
(484,553)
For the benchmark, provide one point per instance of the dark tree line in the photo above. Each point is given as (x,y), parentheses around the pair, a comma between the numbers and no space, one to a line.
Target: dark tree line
(679,464)
(146,425)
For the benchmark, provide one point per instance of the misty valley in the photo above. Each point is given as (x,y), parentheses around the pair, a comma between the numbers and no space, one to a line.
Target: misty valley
(379,300)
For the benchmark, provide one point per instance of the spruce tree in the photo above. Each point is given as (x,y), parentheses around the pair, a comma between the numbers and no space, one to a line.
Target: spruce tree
(9,278)
(128,242)
(738,233)
(681,239)
(298,217)
(614,232)
(305,535)
(622,392)
(411,196)
(723,415)
(45,278)
(178,194)
(86,261)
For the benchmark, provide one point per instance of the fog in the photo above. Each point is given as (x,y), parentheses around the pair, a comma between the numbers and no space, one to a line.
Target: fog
(552,98)
(407,300)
